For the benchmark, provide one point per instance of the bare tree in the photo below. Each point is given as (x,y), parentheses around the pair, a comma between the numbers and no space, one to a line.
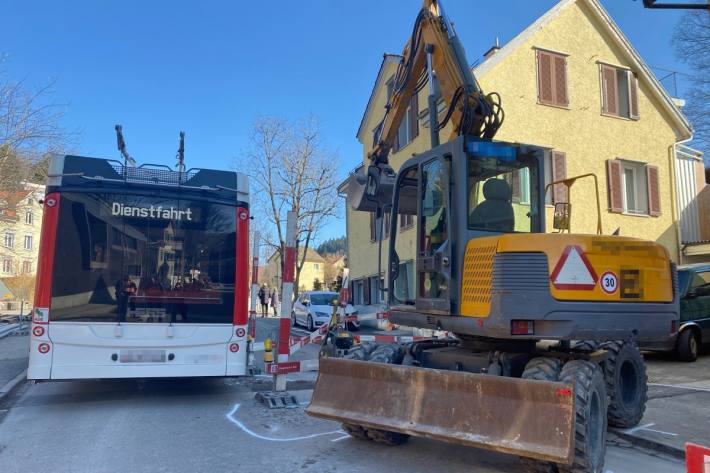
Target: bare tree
(29,131)
(290,169)
(692,44)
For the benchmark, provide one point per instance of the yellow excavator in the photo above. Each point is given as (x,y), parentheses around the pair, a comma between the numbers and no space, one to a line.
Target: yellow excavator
(546,324)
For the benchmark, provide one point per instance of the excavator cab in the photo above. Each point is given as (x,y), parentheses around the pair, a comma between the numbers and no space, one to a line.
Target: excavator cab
(463,189)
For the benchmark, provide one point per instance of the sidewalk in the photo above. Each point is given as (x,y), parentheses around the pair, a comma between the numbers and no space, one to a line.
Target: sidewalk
(14,356)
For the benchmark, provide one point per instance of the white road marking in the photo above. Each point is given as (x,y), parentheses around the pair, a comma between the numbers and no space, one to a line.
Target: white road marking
(640,427)
(341,438)
(680,386)
(648,427)
(662,432)
(232,418)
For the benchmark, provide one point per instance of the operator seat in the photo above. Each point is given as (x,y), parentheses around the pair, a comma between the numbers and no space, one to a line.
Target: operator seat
(496,212)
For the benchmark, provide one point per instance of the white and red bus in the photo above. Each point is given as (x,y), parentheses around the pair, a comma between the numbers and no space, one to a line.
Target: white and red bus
(143,272)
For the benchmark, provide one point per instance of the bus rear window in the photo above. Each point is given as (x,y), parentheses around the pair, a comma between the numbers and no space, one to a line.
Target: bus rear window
(135,258)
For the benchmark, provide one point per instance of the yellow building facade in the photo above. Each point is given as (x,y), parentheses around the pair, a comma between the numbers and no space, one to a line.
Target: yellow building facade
(313,270)
(570,82)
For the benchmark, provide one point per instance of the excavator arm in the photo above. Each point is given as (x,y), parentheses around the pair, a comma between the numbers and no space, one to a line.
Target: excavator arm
(435,55)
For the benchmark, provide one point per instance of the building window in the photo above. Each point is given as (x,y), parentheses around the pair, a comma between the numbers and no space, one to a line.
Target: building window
(552,78)
(26,267)
(409,128)
(28,242)
(633,188)
(9,240)
(316,266)
(406,221)
(29,218)
(7,265)
(619,92)
(374,283)
(357,292)
(30,201)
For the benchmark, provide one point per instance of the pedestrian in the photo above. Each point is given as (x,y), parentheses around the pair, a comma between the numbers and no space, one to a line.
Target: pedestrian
(275,301)
(263,300)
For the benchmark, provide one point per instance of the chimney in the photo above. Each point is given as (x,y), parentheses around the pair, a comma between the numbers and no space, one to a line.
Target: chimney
(494,49)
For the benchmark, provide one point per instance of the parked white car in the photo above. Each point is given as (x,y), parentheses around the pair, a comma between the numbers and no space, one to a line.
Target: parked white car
(313,309)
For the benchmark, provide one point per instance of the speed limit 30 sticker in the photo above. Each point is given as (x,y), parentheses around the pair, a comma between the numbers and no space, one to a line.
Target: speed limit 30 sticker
(609,282)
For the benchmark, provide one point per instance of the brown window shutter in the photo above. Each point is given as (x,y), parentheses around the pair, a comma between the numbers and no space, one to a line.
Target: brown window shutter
(559,172)
(544,77)
(654,191)
(610,97)
(613,181)
(560,79)
(414,116)
(633,95)
(372,226)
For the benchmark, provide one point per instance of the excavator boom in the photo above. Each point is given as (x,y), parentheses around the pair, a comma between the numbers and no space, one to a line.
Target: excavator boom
(471,110)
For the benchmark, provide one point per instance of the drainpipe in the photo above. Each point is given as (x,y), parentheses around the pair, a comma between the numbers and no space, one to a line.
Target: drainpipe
(674,195)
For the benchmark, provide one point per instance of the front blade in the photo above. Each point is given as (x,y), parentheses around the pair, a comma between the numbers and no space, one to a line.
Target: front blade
(522,417)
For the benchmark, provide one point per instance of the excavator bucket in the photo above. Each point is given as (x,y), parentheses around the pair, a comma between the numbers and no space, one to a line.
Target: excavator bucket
(522,417)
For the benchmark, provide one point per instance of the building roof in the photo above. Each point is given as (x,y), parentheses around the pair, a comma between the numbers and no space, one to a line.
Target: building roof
(684,129)
(386,59)
(312,255)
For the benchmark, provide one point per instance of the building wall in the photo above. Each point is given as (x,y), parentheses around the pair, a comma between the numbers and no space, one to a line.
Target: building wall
(17,225)
(580,130)
(311,271)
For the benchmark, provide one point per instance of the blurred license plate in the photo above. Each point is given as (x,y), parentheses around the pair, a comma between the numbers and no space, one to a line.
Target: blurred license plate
(142,356)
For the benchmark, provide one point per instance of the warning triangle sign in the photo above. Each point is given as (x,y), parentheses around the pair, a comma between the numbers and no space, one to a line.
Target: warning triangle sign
(573,271)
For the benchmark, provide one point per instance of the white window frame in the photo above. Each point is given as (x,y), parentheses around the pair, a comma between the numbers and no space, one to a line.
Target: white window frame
(7,265)
(26,266)
(28,238)
(8,240)
(640,179)
(29,217)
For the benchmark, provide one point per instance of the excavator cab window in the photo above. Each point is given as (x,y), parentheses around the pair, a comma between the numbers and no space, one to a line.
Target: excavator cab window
(402,237)
(503,190)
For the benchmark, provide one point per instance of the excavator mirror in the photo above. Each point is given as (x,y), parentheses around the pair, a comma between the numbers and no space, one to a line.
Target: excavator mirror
(561,219)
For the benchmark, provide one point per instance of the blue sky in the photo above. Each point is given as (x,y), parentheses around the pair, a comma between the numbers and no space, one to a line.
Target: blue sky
(211,67)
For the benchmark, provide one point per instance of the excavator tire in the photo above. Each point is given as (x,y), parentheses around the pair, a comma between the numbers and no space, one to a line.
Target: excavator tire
(586,345)
(357,431)
(389,354)
(591,416)
(626,383)
(360,352)
(542,369)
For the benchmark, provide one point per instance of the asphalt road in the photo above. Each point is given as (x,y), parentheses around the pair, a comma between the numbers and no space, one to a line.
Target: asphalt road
(216,425)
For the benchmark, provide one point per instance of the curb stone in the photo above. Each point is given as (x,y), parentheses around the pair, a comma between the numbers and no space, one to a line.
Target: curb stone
(650,444)
(12,385)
